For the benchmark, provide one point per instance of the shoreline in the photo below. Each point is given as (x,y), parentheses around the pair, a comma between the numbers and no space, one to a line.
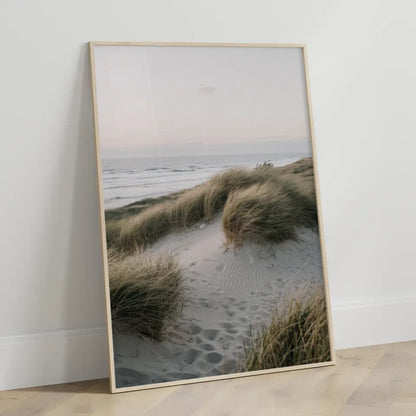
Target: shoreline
(135,181)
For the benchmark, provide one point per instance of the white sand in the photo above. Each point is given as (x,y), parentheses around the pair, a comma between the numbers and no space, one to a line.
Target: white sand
(231,293)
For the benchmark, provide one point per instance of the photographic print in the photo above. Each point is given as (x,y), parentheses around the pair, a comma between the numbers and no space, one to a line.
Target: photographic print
(212,243)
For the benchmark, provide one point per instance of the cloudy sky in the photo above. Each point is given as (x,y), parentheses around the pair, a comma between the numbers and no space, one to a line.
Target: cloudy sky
(191,100)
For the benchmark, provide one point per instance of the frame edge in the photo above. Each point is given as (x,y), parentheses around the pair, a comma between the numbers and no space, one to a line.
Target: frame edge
(102,223)
(319,209)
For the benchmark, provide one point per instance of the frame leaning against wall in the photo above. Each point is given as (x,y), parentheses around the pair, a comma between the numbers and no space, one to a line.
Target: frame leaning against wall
(113,386)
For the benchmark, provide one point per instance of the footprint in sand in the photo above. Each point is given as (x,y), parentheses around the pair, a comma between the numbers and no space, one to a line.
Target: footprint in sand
(229,365)
(226,337)
(202,365)
(195,329)
(210,334)
(191,355)
(207,347)
(215,372)
(225,346)
(226,325)
(214,357)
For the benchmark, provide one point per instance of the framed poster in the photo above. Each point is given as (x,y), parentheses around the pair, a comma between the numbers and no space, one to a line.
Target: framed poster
(211,232)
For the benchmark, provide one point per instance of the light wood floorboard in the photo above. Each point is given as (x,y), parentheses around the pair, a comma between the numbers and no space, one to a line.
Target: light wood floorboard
(371,381)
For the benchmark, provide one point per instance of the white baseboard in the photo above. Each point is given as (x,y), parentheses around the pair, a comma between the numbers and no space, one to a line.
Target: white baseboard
(372,322)
(81,354)
(53,357)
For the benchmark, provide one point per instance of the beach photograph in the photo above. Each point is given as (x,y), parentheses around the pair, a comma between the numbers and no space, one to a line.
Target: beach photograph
(212,241)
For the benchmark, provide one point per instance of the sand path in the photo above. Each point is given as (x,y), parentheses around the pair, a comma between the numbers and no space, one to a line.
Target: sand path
(231,293)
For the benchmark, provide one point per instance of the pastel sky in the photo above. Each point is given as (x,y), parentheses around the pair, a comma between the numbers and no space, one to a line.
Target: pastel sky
(189,100)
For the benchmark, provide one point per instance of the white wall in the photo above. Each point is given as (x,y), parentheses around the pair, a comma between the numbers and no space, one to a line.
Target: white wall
(363,84)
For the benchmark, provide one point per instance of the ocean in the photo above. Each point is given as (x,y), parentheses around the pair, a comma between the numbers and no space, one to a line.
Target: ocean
(126,180)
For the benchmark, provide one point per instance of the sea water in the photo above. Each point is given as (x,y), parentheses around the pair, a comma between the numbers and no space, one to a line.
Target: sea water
(126,180)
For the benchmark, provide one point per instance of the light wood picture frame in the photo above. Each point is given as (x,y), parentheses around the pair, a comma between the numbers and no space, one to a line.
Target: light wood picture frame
(212,238)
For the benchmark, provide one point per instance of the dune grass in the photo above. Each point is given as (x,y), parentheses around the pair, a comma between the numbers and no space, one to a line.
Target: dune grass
(115,217)
(136,207)
(297,334)
(202,202)
(258,213)
(267,212)
(146,293)
(291,188)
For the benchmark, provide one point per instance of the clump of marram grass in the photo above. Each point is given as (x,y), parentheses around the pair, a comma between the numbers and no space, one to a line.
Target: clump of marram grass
(144,229)
(188,209)
(268,212)
(303,201)
(138,206)
(112,232)
(297,335)
(146,293)
(155,219)
(258,213)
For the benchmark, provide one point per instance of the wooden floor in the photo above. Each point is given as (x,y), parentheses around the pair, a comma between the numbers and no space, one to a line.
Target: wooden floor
(372,381)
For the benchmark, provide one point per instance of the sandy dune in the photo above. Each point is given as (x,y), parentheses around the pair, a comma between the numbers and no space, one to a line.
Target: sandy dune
(231,293)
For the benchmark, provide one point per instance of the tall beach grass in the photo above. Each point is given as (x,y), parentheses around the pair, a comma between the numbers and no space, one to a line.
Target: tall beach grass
(258,213)
(146,293)
(297,334)
(278,198)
